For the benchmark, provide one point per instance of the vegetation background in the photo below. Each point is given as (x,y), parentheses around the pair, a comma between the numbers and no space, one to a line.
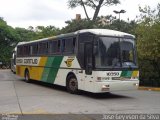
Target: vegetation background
(145,27)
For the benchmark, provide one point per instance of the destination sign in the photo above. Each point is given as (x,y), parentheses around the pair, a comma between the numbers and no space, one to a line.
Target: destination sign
(28,61)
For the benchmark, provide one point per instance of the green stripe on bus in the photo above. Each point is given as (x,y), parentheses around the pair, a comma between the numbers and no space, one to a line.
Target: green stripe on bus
(47,70)
(126,74)
(54,69)
(45,74)
(129,74)
(50,73)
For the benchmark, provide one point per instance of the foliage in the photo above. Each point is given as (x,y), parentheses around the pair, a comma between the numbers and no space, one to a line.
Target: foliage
(36,33)
(111,23)
(128,27)
(74,25)
(96,5)
(8,38)
(148,45)
(48,31)
(25,34)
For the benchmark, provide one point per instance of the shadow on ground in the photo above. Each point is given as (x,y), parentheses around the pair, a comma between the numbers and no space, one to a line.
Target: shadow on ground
(107,95)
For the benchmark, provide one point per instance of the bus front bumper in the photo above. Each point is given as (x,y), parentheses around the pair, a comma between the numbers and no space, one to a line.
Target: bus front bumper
(101,87)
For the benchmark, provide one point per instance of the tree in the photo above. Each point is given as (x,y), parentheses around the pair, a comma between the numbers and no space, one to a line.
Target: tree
(26,34)
(8,39)
(48,31)
(74,25)
(148,43)
(128,27)
(96,5)
(36,33)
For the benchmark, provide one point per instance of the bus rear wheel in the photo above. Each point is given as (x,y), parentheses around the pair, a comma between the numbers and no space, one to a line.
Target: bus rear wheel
(72,84)
(26,76)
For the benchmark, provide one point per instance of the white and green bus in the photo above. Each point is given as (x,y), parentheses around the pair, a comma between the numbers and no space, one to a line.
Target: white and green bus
(93,60)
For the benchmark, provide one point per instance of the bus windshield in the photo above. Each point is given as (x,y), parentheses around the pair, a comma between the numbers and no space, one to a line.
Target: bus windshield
(115,52)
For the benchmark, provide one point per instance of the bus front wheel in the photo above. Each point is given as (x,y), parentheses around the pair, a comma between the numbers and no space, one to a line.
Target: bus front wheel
(26,76)
(72,84)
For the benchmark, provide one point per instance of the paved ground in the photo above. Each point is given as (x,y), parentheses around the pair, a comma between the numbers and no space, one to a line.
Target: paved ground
(19,97)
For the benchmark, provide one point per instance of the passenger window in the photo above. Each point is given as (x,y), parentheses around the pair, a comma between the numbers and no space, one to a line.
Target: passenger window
(55,47)
(43,48)
(68,45)
(21,51)
(26,50)
(34,49)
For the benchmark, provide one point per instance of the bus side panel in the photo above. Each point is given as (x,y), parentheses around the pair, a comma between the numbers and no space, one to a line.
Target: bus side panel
(20,70)
(51,69)
(36,72)
(68,65)
(61,77)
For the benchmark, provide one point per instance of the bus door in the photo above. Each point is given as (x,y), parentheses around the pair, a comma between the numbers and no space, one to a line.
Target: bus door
(88,55)
(85,56)
(88,60)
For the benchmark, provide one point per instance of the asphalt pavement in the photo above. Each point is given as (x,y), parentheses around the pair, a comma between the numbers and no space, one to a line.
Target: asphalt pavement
(36,98)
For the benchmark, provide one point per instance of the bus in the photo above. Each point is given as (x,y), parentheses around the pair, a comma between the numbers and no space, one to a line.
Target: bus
(13,60)
(93,60)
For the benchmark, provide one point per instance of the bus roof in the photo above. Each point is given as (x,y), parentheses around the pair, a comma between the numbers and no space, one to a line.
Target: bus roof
(104,32)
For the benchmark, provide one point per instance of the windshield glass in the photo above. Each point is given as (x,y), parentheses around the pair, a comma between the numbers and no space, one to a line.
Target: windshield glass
(115,52)
(128,52)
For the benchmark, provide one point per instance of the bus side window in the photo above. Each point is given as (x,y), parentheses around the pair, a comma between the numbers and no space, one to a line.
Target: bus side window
(20,51)
(59,46)
(34,49)
(40,50)
(43,48)
(47,48)
(63,45)
(26,50)
(51,46)
(31,49)
(68,45)
(74,44)
(54,47)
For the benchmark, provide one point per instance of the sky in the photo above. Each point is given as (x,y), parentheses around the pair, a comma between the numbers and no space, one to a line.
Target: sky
(25,13)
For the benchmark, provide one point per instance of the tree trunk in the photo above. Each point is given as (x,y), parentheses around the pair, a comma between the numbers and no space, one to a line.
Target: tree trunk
(97,10)
(85,9)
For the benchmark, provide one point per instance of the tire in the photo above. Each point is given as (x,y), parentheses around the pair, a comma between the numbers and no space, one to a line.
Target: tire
(72,84)
(26,76)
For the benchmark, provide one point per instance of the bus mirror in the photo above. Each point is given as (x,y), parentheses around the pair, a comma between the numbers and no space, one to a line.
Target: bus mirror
(95,50)
(88,70)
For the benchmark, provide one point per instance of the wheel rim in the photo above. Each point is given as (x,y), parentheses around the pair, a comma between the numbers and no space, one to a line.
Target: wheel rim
(73,85)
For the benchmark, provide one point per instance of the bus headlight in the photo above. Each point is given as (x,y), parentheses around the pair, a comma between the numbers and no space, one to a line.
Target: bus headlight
(105,88)
(136,84)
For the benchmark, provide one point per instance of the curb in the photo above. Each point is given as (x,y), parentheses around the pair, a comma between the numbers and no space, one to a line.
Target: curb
(149,88)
